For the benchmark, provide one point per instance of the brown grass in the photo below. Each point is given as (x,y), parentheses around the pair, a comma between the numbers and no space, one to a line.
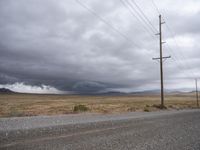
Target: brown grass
(32,104)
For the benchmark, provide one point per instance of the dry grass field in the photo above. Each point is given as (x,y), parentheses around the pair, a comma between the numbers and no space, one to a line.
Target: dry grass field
(16,105)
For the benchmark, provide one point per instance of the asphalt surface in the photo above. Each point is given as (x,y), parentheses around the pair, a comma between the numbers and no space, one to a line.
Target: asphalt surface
(164,130)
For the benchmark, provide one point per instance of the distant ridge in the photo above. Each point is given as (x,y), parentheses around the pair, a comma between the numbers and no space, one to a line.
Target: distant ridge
(6,91)
(118,93)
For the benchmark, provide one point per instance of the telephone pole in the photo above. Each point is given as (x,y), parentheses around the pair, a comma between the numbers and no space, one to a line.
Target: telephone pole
(161,61)
(197,92)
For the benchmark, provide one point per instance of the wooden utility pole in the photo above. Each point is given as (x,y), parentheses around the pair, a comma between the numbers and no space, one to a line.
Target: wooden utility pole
(161,62)
(197,92)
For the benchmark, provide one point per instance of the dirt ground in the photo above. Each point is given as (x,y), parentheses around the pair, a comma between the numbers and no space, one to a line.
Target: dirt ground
(16,105)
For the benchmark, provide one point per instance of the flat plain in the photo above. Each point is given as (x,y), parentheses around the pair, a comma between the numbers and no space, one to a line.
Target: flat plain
(17,105)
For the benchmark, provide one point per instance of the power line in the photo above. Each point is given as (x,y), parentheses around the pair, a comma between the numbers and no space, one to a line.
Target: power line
(143,14)
(180,53)
(174,39)
(154,4)
(135,16)
(107,23)
(176,59)
(142,18)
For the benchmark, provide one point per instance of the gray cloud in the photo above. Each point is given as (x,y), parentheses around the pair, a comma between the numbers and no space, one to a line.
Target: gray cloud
(61,44)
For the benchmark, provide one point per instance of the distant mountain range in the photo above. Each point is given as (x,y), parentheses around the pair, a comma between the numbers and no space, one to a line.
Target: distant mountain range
(107,93)
(118,93)
(6,91)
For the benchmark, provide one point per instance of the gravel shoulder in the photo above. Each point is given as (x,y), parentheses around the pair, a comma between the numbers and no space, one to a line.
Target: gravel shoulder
(77,131)
(20,123)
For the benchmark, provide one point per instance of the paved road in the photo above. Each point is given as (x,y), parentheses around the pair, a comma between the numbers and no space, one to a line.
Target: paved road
(167,130)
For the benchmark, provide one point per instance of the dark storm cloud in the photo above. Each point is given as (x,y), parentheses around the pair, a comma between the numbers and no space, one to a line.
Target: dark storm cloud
(61,44)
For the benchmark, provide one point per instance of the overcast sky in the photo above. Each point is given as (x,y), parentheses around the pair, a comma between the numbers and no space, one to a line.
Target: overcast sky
(95,45)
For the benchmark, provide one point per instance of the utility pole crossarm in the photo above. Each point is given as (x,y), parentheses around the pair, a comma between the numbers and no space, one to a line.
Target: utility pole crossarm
(162,57)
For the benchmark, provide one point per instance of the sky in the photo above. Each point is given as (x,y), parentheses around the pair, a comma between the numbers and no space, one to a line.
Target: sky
(69,46)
